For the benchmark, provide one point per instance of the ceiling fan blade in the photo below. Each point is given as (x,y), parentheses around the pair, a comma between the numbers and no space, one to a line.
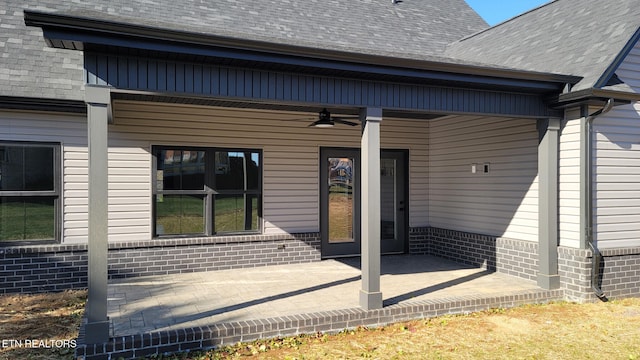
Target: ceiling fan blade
(345,122)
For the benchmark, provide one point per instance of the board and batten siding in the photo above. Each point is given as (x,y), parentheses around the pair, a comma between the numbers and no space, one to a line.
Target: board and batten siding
(617,166)
(569,180)
(290,155)
(502,202)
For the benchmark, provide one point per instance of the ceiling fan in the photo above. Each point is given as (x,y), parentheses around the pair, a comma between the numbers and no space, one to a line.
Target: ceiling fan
(325,120)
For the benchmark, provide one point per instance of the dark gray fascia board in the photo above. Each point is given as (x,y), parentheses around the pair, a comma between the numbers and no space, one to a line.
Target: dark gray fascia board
(593,96)
(42,104)
(72,32)
(622,55)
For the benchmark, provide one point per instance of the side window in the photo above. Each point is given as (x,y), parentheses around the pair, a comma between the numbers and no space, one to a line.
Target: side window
(206,191)
(29,191)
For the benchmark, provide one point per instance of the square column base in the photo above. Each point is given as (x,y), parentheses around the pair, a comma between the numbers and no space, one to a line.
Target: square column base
(549,282)
(96,332)
(370,301)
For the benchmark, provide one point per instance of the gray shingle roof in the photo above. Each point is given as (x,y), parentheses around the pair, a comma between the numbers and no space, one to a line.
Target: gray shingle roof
(411,28)
(28,67)
(573,37)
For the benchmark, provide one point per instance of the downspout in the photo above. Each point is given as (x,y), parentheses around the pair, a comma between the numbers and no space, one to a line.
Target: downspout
(588,199)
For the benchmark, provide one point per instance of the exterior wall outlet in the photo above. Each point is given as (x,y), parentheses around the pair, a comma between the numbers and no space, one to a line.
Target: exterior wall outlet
(474,168)
(485,168)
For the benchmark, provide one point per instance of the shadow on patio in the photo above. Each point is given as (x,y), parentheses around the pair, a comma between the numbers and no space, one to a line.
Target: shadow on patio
(160,303)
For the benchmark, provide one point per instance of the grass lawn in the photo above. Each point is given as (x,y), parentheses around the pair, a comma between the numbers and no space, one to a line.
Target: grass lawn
(27,220)
(178,214)
(553,331)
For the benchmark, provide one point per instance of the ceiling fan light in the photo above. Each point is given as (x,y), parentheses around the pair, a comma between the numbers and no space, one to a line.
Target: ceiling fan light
(323,124)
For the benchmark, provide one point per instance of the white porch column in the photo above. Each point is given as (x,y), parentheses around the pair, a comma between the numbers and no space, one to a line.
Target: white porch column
(548,161)
(370,295)
(98,101)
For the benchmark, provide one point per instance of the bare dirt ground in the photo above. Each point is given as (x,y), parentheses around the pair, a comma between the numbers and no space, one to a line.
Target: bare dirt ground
(42,326)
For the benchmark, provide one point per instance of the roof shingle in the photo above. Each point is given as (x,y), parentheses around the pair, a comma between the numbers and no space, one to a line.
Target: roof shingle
(573,37)
(411,28)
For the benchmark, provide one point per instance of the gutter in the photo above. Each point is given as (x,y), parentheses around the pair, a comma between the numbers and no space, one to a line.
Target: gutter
(588,198)
(43,104)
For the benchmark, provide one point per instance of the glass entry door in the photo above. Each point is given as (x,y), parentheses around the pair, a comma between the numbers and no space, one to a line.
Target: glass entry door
(340,201)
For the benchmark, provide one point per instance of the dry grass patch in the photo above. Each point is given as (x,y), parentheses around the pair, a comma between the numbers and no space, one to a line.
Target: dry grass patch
(49,319)
(554,331)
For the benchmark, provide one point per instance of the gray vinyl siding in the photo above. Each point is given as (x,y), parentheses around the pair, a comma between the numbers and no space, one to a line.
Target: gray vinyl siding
(617,167)
(71,132)
(290,156)
(569,180)
(500,203)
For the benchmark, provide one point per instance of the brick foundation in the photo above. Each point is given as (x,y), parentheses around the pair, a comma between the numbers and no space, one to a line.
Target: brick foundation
(44,268)
(620,268)
(207,337)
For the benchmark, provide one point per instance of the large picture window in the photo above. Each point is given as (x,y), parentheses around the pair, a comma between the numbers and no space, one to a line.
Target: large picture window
(29,191)
(206,191)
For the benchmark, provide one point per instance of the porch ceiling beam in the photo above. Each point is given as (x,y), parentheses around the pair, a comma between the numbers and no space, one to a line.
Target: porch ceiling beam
(370,294)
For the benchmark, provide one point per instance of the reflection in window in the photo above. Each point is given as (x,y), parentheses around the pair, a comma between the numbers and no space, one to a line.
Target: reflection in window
(26,168)
(179,214)
(181,170)
(226,186)
(237,170)
(28,191)
(235,213)
(388,199)
(341,201)
(30,218)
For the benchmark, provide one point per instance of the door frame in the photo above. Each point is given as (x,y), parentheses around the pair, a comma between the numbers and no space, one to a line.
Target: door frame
(336,250)
(348,248)
(404,153)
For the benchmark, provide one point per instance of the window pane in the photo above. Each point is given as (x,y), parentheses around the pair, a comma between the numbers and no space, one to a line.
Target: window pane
(29,168)
(179,214)
(341,200)
(27,219)
(237,170)
(236,213)
(388,199)
(180,169)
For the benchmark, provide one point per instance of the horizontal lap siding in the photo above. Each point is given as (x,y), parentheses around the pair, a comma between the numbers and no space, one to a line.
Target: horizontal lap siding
(290,153)
(569,181)
(71,132)
(500,203)
(617,167)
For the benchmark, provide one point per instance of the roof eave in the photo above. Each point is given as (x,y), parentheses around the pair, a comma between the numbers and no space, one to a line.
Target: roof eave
(43,104)
(73,27)
(593,96)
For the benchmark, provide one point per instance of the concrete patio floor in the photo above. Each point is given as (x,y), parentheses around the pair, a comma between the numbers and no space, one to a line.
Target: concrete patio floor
(181,301)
